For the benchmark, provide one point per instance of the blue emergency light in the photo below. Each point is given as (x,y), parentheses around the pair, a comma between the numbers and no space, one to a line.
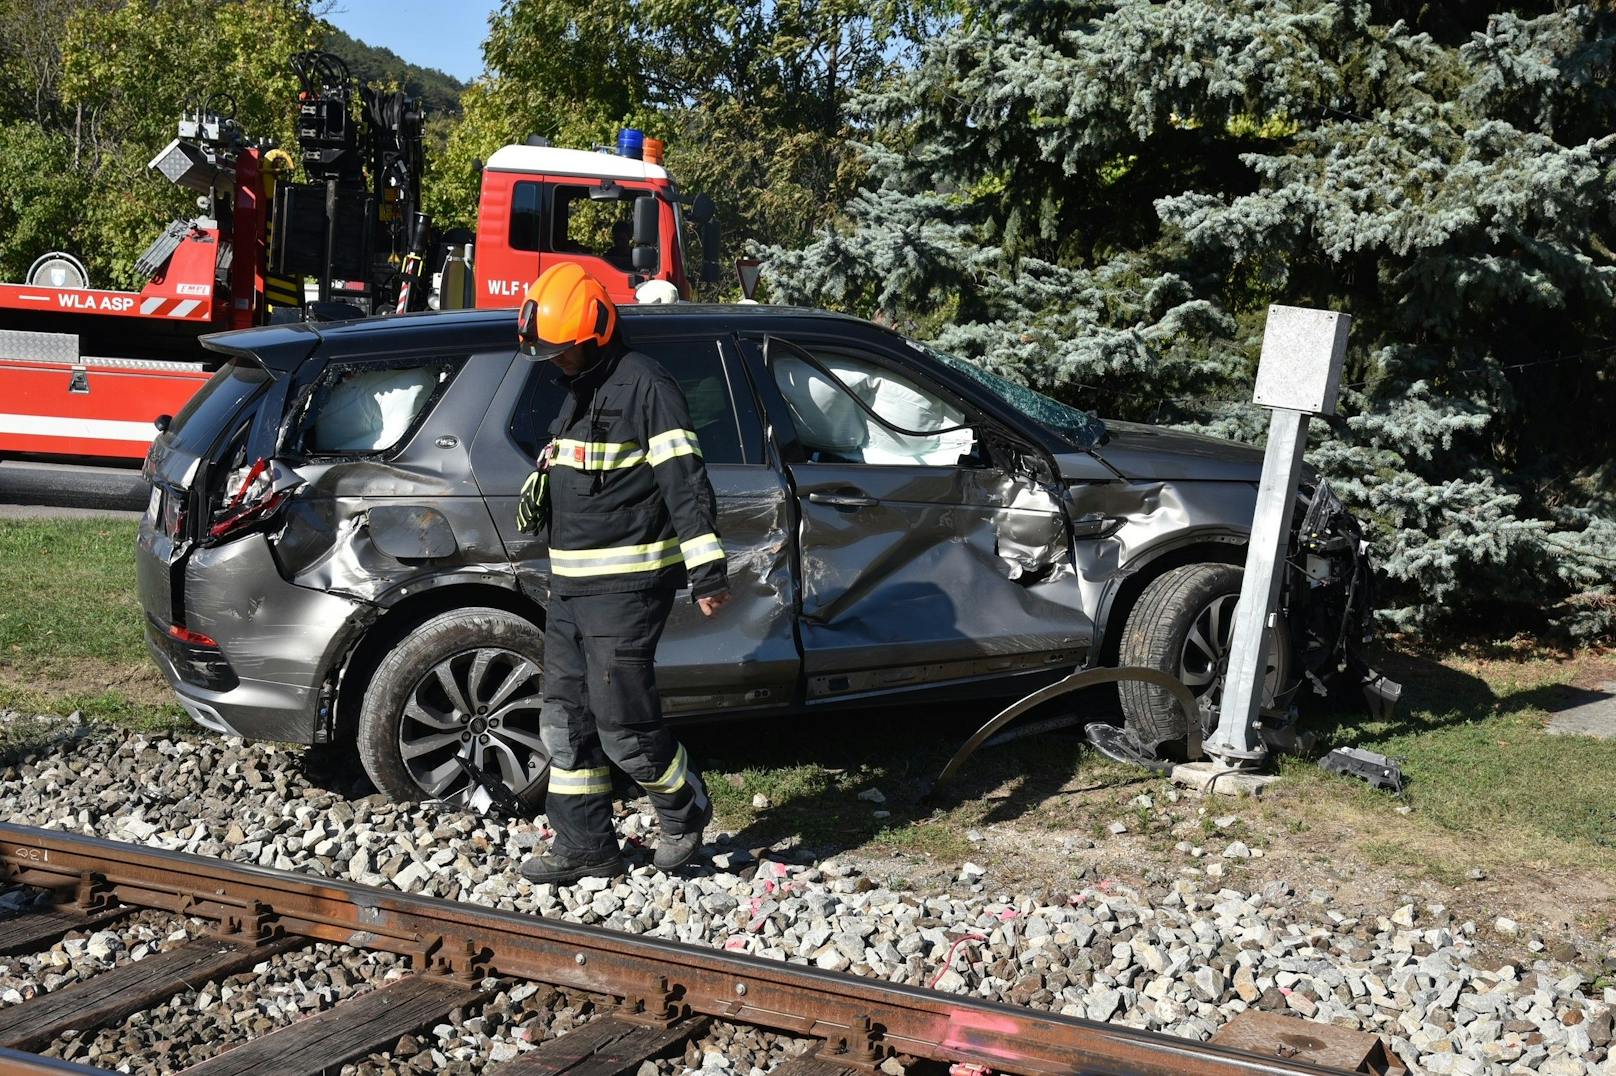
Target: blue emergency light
(631,143)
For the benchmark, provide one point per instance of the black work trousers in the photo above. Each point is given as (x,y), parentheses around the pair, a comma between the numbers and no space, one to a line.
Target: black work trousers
(600,703)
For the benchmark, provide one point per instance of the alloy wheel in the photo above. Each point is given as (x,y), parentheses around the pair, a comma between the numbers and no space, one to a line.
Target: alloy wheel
(1204,663)
(478,708)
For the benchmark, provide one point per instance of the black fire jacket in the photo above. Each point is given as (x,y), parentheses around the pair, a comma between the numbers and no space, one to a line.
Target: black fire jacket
(630,505)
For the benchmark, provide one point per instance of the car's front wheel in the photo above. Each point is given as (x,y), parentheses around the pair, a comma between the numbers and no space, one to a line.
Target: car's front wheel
(459,697)
(1183,624)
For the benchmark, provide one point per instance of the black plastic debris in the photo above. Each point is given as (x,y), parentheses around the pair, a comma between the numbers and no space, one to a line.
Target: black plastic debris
(1381,695)
(1118,745)
(500,796)
(1378,770)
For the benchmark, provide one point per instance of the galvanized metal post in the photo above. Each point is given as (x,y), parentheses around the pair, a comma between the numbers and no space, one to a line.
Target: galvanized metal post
(1299,376)
(1235,740)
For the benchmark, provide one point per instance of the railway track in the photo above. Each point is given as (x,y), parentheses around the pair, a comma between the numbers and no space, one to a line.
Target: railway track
(651,996)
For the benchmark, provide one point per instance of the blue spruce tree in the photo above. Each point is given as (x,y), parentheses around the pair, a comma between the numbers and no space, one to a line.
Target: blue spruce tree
(1103,199)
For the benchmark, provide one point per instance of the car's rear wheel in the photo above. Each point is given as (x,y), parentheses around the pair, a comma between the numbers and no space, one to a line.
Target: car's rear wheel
(462,690)
(1183,624)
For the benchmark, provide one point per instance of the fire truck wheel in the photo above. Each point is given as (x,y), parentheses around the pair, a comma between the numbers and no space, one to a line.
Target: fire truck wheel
(454,708)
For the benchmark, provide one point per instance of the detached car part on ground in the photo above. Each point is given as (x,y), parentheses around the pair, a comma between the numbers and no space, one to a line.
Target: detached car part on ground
(330,552)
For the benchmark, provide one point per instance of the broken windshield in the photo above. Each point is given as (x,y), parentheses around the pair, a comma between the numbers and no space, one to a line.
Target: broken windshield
(1082,429)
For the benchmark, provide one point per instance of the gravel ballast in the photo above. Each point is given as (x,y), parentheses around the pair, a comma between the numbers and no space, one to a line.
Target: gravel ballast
(1181,958)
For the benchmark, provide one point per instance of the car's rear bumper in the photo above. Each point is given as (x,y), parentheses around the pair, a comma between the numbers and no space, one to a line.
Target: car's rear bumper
(273,643)
(255,709)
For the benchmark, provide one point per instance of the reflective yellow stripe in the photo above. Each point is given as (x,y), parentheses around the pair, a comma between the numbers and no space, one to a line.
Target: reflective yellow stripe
(673,778)
(574,572)
(580,782)
(596,455)
(614,551)
(592,789)
(615,560)
(673,443)
(283,291)
(597,771)
(702,550)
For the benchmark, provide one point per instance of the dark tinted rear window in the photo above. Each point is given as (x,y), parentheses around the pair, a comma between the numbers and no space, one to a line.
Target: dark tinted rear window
(207,413)
(695,364)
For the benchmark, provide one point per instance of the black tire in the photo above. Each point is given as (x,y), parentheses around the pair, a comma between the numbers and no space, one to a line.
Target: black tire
(1193,598)
(482,651)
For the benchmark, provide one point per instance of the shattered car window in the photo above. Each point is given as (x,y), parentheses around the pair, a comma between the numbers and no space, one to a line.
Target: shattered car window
(1082,429)
(831,427)
(368,408)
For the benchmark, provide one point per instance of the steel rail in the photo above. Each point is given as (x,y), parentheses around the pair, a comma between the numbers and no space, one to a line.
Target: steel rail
(16,1063)
(866,1019)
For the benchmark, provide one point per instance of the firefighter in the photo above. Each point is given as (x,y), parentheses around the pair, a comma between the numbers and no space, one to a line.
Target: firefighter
(631,518)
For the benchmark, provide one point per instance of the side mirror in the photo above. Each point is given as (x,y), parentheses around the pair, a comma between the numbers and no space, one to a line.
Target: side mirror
(711,240)
(702,209)
(647,255)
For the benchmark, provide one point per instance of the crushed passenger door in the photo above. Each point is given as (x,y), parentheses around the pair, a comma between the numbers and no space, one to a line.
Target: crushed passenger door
(924,557)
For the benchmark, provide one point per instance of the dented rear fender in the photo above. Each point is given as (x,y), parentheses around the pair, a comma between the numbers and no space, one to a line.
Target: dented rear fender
(376,532)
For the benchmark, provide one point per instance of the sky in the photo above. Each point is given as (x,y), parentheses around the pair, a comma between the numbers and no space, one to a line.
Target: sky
(446,34)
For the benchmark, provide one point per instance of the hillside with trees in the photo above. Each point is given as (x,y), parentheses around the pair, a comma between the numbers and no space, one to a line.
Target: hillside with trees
(371,64)
(89,92)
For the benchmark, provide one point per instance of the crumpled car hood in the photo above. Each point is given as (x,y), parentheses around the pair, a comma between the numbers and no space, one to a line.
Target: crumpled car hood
(1140,452)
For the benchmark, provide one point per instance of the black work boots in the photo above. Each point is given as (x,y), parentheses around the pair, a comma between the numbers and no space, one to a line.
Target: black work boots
(559,868)
(674,852)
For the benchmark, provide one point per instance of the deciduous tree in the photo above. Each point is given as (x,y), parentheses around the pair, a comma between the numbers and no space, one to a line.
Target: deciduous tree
(94,90)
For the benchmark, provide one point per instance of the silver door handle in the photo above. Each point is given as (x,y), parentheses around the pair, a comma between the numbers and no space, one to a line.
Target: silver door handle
(842,500)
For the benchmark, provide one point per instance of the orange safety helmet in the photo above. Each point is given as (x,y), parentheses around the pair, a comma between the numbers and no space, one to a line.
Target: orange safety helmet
(564,307)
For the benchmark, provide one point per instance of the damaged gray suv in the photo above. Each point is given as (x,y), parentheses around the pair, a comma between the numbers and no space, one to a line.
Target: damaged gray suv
(330,551)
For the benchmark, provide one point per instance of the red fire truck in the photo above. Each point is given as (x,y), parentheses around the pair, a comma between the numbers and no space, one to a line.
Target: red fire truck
(542,205)
(86,372)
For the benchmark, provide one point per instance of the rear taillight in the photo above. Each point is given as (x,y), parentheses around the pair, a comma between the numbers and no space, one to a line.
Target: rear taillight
(171,516)
(189,637)
(263,490)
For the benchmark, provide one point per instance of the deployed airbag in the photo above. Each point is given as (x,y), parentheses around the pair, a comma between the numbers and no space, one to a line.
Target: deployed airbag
(369,410)
(829,422)
(826,420)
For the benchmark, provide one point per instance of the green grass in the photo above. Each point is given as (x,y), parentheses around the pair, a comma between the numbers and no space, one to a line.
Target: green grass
(1468,781)
(811,769)
(69,591)
(1488,784)
(23,736)
(112,705)
(71,626)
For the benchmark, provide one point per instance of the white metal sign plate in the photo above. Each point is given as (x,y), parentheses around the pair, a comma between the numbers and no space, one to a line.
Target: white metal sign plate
(1302,356)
